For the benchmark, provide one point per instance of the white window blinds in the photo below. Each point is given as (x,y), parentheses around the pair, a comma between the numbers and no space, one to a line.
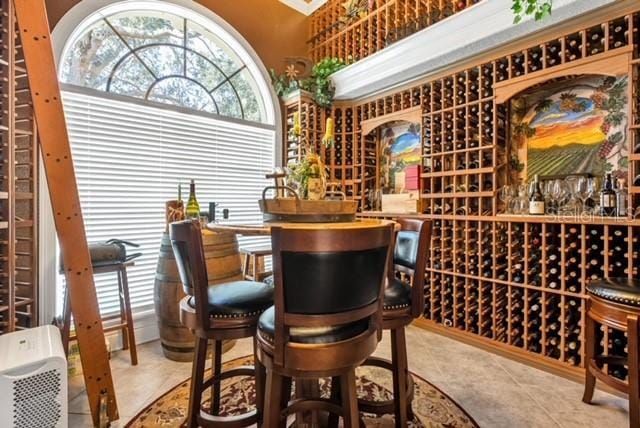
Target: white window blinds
(129,158)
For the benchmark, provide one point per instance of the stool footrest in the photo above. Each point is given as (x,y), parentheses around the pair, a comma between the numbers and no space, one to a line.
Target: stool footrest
(387,406)
(228,374)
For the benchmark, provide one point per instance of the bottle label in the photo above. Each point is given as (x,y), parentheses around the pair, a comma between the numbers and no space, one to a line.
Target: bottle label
(608,201)
(536,207)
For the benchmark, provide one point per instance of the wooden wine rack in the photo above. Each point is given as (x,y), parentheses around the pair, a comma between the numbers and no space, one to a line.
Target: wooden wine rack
(332,34)
(514,284)
(18,184)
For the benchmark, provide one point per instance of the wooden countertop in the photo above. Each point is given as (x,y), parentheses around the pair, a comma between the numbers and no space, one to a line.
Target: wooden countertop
(263,229)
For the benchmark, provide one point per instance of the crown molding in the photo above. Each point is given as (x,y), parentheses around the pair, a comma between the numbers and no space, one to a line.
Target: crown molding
(469,34)
(306,7)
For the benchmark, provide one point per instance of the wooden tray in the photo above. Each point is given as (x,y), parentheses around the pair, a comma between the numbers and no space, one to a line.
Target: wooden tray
(296,210)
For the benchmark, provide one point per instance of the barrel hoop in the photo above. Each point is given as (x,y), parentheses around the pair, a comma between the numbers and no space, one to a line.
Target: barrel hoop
(185,350)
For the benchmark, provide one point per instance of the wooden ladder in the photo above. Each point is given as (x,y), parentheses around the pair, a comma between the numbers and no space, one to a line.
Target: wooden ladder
(65,201)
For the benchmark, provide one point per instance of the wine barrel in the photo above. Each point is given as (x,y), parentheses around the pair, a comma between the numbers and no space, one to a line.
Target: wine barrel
(223,265)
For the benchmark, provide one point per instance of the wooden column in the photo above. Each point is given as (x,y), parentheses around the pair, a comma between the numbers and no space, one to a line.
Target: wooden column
(60,174)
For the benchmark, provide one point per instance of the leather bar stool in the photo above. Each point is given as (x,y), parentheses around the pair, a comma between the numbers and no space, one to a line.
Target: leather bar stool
(326,318)
(614,303)
(403,302)
(219,312)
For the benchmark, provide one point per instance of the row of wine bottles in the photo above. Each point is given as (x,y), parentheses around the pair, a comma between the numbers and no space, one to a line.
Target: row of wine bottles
(539,322)
(549,256)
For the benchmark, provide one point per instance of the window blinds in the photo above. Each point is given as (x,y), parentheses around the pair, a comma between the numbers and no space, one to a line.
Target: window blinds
(129,158)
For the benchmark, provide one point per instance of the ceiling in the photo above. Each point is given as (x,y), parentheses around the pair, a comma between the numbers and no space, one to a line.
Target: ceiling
(306,7)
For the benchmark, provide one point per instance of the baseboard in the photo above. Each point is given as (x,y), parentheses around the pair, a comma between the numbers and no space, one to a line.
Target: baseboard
(145,325)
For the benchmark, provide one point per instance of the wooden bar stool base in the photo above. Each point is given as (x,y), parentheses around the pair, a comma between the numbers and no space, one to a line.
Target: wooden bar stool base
(125,317)
(620,317)
(253,263)
(387,406)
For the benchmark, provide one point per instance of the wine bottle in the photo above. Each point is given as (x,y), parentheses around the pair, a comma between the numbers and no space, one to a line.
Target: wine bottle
(193,208)
(608,198)
(536,201)
(621,198)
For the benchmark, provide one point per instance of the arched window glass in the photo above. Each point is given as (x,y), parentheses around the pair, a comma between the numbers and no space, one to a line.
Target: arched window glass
(164,58)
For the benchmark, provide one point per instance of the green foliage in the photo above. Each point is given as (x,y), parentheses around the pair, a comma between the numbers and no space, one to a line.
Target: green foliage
(539,9)
(319,83)
(515,164)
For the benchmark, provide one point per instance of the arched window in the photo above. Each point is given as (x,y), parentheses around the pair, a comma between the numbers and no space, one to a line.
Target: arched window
(166,58)
(156,93)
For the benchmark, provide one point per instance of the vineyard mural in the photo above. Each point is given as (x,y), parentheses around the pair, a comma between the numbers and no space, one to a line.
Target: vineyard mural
(399,148)
(574,126)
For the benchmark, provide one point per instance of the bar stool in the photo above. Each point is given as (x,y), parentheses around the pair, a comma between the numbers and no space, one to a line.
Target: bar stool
(125,316)
(614,303)
(253,263)
(403,302)
(220,312)
(326,317)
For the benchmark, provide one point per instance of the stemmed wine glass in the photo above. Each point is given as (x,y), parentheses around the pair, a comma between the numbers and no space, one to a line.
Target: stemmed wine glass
(559,193)
(507,194)
(581,191)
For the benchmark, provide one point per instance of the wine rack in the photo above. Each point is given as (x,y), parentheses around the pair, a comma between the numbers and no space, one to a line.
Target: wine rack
(513,283)
(334,33)
(311,119)
(18,185)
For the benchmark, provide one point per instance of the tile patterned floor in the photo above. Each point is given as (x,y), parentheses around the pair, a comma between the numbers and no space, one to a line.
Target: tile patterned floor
(496,391)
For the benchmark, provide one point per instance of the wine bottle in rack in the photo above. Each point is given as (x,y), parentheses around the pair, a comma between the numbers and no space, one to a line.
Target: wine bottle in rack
(535,60)
(553,54)
(573,47)
(596,40)
(517,61)
(618,34)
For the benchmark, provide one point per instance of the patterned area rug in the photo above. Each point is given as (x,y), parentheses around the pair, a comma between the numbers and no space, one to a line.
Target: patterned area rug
(431,407)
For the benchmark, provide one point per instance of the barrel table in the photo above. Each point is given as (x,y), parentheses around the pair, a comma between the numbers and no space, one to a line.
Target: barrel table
(223,265)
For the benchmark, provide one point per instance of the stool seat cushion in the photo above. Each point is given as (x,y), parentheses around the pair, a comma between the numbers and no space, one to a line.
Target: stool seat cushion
(310,335)
(620,290)
(238,298)
(397,295)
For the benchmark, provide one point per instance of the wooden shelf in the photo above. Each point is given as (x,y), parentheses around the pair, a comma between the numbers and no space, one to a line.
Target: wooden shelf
(487,170)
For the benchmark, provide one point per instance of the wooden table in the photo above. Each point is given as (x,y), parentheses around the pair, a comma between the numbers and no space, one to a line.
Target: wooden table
(264,229)
(304,387)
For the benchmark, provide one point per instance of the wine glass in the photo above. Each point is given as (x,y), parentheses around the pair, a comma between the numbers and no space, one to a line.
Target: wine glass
(593,188)
(581,191)
(506,196)
(522,200)
(559,193)
(547,191)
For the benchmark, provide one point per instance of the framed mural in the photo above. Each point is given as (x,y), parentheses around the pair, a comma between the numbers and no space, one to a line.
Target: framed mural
(400,156)
(576,125)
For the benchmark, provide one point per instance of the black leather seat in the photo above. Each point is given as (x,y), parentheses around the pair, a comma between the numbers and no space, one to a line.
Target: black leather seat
(314,335)
(620,290)
(397,295)
(238,298)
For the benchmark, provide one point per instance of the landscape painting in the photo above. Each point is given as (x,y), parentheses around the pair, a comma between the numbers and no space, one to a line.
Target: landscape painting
(575,126)
(399,148)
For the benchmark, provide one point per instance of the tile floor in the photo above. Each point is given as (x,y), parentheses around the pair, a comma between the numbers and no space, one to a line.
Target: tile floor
(495,391)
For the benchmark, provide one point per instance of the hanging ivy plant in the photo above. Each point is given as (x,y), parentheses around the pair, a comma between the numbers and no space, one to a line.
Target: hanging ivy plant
(539,9)
(318,84)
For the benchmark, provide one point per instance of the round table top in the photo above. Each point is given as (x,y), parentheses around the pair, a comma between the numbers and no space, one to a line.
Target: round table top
(263,229)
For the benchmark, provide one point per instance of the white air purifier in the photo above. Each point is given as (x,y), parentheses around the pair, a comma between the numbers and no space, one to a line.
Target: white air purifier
(33,379)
